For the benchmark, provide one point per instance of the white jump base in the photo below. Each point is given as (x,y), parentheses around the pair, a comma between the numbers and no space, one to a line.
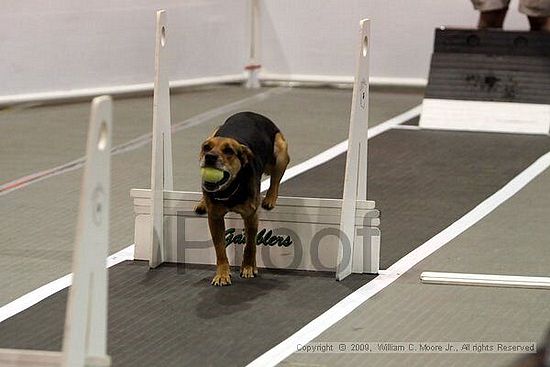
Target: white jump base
(306,229)
(39,358)
(485,116)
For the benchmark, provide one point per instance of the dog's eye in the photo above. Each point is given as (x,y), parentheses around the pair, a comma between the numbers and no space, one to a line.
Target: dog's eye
(206,147)
(228,151)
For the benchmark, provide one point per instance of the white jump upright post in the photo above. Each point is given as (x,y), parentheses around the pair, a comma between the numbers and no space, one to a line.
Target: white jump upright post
(161,165)
(252,69)
(85,337)
(355,182)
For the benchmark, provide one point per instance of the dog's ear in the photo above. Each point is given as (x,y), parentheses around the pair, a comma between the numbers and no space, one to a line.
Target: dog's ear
(245,154)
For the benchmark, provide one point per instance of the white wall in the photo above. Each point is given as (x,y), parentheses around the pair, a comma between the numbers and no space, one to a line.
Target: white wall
(319,36)
(59,45)
(52,46)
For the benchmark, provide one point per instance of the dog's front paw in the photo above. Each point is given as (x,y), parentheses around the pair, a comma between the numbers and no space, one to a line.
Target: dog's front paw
(221,279)
(268,202)
(200,209)
(248,271)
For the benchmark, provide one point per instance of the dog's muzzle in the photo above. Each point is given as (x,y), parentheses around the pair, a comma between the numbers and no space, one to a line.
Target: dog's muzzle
(210,160)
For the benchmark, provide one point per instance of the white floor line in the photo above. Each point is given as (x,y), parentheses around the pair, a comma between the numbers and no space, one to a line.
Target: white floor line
(340,148)
(408,127)
(284,349)
(138,142)
(30,299)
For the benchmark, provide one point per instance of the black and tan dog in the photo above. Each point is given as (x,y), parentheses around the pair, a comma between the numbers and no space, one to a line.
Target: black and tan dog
(244,147)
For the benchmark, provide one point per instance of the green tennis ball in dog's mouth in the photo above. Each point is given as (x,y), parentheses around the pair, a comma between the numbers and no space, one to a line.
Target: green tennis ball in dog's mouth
(211,174)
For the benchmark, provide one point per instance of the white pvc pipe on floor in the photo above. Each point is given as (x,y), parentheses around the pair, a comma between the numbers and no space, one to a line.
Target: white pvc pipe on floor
(485,280)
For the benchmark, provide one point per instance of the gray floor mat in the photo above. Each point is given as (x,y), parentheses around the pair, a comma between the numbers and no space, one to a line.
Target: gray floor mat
(39,220)
(173,317)
(422,181)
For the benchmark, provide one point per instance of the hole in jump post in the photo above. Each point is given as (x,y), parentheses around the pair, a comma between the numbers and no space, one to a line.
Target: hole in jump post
(365,45)
(163,36)
(102,140)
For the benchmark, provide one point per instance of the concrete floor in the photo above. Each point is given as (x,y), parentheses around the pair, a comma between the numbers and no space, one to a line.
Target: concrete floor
(38,224)
(41,137)
(39,220)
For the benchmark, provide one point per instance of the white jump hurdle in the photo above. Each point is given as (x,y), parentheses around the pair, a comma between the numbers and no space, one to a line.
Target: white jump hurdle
(85,338)
(339,235)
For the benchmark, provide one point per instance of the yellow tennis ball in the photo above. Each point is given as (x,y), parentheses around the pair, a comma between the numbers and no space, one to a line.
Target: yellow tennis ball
(211,174)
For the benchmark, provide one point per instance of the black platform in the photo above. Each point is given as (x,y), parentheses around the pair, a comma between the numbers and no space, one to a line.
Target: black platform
(490,65)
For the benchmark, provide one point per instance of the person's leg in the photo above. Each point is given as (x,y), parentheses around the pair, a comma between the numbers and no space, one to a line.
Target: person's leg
(539,23)
(538,13)
(492,18)
(491,12)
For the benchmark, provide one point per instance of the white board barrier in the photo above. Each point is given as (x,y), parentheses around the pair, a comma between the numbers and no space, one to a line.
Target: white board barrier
(504,117)
(300,233)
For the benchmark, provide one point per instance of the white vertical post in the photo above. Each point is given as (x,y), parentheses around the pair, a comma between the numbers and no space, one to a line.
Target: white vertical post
(355,182)
(253,67)
(371,253)
(86,319)
(161,164)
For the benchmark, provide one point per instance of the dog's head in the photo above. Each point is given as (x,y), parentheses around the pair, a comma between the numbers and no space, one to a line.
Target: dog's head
(225,154)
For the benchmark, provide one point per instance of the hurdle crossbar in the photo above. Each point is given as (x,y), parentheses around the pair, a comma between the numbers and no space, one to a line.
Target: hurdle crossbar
(339,235)
(85,337)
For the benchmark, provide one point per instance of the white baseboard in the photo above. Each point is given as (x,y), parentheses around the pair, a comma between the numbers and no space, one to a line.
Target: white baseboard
(506,117)
(336,79)
(113,90)
(235,78)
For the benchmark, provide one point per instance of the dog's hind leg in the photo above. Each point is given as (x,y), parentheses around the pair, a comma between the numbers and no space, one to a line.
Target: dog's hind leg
(276,171)
(248,267)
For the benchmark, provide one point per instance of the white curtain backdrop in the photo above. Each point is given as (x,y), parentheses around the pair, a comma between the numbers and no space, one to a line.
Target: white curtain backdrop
(62,45)
(318,37)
